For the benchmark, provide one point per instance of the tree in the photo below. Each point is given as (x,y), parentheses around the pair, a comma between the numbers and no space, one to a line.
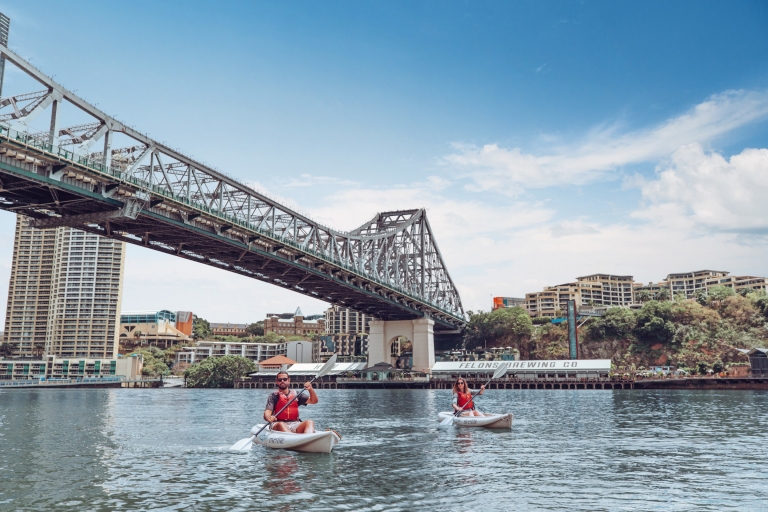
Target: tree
(717,294)
(38,351)
(500,328)
(7,349)
(154,362)
(201,329)
(702,367)
(717,366)
(760,299)
(617,323)
(137,335)
(653,322)
(218,372)
(662,295)
(643,296)
(701,297)
(255,329)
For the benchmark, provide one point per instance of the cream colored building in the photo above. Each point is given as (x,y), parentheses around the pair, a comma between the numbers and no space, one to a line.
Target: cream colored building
(595,290)
(64,294)
(690,283)
(299,351)
(158,328)
(606,290)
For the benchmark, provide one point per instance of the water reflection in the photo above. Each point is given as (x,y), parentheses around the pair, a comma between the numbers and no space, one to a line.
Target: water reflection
(281,469)
(581,450)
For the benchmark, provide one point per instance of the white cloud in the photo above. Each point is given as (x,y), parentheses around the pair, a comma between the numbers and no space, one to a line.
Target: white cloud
(308,180)
(710,191)
(603,151)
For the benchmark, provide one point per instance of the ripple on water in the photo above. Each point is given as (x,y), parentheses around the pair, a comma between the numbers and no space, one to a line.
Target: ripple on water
(581,450)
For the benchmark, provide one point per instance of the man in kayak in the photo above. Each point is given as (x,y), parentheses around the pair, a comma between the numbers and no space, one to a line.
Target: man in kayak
(288,420)
(462,397)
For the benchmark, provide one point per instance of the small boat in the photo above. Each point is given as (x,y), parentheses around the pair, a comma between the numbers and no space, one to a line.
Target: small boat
(317,442)
(487,421)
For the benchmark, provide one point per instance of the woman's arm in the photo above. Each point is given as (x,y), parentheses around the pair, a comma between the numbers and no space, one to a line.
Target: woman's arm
(455,402)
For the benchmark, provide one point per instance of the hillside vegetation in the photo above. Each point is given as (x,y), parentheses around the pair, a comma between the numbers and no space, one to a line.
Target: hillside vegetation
(689,333)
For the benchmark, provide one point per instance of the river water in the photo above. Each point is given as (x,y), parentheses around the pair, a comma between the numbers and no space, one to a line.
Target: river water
(167,449)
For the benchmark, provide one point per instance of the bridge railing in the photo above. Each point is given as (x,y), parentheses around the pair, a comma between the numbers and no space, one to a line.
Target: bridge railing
(85,161)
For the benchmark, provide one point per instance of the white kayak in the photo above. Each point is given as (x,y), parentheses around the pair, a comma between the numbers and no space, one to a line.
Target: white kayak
(487,421)
(318,442)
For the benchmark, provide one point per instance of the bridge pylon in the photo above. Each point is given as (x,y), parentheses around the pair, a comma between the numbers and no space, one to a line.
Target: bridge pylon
(419,331)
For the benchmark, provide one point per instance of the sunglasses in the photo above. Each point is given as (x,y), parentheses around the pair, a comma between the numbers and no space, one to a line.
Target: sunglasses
(282,379)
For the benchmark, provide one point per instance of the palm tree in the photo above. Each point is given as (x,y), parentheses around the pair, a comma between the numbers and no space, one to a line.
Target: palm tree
(6,349)
(137,335)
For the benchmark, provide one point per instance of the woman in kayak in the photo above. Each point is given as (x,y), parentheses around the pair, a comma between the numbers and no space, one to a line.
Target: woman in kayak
(462,398)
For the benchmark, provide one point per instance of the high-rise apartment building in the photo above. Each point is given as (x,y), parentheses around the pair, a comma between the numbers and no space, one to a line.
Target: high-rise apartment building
(65,293)
(29,289)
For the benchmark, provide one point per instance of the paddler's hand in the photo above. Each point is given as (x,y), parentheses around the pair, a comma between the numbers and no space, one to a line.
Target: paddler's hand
(272,418)
(308,386)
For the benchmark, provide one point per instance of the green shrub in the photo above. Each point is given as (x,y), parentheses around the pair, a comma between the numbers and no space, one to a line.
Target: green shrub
(218,372)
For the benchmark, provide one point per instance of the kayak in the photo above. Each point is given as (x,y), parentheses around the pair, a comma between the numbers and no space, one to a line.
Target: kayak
(487,421)
(317,442)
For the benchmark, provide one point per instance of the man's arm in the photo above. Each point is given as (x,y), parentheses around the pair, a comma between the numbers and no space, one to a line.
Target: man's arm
(312,395)
(268,411)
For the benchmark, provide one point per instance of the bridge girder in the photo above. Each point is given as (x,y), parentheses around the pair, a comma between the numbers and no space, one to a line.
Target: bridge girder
(151,195)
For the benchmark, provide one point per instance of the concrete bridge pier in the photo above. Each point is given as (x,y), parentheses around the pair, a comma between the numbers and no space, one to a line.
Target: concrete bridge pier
(419,331)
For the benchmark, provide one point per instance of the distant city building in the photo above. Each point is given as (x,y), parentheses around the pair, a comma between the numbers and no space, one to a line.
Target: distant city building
(346,334)
(158,328)
(605,290)
(296,324)
(54,367)
(688,283)
(64,293)
(507,302)
(299,351)
(228,329)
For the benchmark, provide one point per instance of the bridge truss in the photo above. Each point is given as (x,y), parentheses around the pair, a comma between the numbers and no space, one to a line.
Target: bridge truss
(151,195)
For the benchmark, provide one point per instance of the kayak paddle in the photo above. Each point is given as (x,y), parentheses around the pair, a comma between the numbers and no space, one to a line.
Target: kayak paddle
(244,445)
(500,371)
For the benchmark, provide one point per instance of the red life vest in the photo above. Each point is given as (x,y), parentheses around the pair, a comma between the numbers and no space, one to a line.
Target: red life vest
(465,400)
(291,413)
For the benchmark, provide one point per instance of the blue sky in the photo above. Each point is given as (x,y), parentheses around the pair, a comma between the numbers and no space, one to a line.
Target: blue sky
(548,140)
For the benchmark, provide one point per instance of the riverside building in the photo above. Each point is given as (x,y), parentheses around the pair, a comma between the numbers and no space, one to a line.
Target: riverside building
(159,328)
(64,293)
(299,351)
(595,290)
(346,334)
(294,324)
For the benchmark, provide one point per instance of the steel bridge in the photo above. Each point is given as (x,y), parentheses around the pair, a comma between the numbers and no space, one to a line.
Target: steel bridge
(151,195)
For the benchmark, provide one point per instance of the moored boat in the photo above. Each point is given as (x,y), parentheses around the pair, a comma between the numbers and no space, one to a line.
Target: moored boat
(317,442)
(488,421)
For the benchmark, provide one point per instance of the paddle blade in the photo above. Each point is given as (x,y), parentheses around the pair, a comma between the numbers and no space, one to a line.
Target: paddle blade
(447,421)
(327,366)
(243,445)
(501,370)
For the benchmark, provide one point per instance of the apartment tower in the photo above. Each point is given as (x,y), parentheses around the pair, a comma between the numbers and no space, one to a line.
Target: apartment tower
(65,293)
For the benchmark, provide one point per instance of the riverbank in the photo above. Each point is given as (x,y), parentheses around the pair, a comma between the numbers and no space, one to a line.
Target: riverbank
(719,383)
